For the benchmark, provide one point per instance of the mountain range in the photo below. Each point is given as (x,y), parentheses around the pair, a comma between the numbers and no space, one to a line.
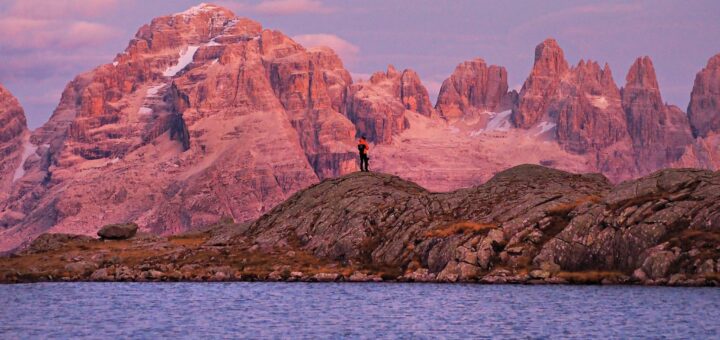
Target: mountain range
(207,115)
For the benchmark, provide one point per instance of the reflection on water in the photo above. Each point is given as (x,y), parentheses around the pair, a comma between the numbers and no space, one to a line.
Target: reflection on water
(303,310)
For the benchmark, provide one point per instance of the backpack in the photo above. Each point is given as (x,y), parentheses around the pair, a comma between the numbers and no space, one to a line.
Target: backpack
(361,148)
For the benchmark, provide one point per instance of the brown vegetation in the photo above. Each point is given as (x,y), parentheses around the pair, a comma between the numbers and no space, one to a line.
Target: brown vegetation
(566,208)
(464,227)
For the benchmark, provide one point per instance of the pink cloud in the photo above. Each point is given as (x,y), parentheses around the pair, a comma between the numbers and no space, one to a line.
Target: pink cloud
(346,50)
(22,33)
(55,9)
(292,7)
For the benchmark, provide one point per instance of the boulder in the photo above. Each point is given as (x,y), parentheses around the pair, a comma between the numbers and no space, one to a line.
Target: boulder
(118,231)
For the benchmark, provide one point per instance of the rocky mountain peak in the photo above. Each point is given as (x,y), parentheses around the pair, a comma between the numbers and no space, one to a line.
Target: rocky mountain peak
(704,107)
(205,9)
(660,134)
(642,75)
(542,85)
(549,58)
(474,88)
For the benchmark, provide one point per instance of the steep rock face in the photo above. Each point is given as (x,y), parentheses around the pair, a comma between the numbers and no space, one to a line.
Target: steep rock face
(590,115)
(704,108)
(311,87)
(377,108)
(590,119)
(204,115)
(660,133)
(474,87)
(542,85)
(13,130)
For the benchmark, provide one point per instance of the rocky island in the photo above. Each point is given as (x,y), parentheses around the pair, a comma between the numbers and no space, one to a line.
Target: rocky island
(528,224)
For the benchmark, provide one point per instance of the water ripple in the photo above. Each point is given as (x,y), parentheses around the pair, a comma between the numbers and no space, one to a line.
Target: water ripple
(386,310)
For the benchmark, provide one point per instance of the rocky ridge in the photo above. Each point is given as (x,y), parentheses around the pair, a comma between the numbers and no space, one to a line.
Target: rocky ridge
(528,224)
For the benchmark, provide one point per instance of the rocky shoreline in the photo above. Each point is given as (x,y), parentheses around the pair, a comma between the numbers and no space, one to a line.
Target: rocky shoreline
(528,225)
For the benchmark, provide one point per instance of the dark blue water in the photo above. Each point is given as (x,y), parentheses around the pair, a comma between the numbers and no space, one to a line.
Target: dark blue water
(300,310)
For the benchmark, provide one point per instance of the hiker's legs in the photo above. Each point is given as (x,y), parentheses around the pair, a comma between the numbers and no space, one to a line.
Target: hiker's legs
(363,163)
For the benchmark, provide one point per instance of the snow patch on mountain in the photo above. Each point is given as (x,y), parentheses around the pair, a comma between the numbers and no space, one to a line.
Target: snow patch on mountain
(28,150)
(186,57)
(599,101)
(153,91)
(195,10)
(544,127)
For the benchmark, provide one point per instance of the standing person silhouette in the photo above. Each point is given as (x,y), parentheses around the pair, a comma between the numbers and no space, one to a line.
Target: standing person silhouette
(363,148)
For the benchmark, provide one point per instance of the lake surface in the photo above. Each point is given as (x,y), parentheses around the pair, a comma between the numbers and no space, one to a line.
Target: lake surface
(327,310)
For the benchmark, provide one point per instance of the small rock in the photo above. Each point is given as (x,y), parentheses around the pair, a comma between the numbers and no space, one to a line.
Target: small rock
(81,268)
(326,277)
(450,273)
(556,280)
(676,279)
(707,267)
(539,274)
(154,274)
(276,275)
(100,275)
(517,250)
(420,275)
(639,275)
(550,266)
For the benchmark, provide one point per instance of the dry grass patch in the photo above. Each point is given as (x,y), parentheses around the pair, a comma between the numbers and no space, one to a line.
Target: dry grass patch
(567,207)
(464,227)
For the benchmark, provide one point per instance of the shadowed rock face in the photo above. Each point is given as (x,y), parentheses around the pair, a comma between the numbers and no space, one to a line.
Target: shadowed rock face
(660,133)
(704,107)
(13,128)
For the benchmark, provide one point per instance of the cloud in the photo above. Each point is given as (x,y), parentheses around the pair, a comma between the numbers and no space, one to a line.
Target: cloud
(278,7)
(347,51)
(27,34)
(292,7)
(56,9)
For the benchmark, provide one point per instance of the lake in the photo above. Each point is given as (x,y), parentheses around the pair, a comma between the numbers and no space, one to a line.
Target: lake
(354,310)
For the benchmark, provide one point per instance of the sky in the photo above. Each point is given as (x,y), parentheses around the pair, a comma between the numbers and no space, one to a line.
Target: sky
(45,43)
